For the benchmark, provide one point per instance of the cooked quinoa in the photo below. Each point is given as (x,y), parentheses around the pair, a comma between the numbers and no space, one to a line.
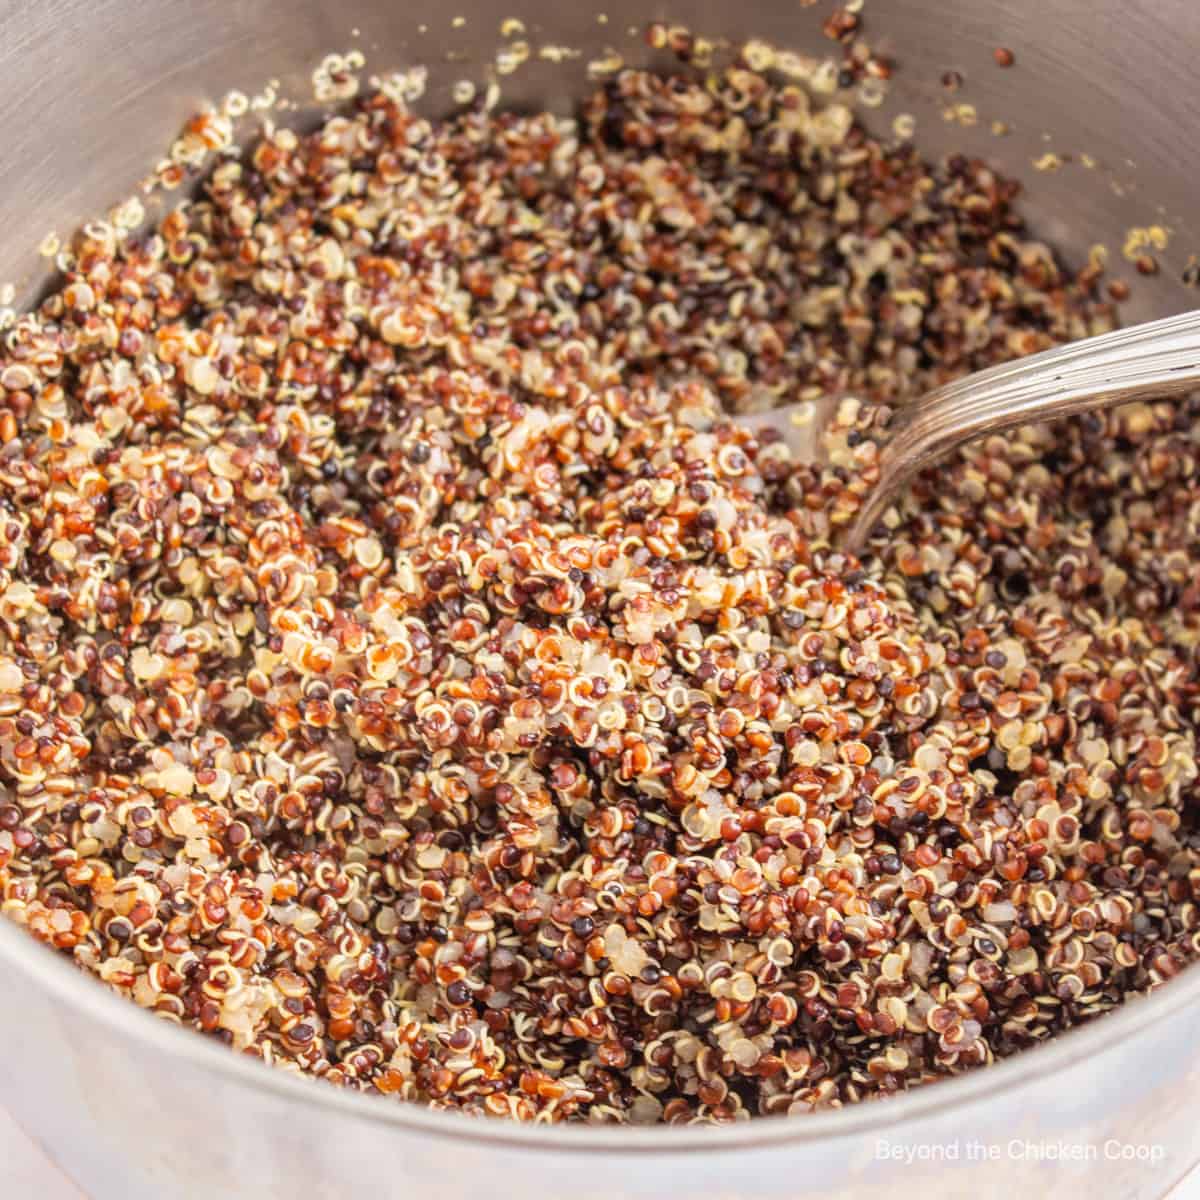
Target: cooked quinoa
(409,676)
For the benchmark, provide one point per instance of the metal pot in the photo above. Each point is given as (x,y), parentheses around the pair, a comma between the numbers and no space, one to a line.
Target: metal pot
(90,93)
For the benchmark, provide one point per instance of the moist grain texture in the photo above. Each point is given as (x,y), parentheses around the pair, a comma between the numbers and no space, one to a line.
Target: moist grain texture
(411,679)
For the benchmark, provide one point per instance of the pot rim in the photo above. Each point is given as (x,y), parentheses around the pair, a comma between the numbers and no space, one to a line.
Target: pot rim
(69,984)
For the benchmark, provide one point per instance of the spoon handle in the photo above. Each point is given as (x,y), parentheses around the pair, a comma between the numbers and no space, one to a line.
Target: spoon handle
(1149,361)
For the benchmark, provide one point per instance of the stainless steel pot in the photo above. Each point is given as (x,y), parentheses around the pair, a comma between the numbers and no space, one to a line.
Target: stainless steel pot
(90,93)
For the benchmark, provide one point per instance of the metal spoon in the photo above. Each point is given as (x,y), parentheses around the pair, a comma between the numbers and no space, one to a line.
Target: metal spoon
(1142,362)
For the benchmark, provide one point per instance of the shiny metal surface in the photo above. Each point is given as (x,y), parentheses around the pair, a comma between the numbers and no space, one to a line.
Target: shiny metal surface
(93,91)
(90,93)
(1140,362)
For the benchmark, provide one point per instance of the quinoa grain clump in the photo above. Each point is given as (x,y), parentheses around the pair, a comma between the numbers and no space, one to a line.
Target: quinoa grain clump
(410,678)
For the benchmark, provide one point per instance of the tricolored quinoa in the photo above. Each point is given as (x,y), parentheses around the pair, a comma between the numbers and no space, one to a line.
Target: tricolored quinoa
(410,678)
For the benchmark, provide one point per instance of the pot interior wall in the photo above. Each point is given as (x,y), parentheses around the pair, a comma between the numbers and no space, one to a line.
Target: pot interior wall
(94,90)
